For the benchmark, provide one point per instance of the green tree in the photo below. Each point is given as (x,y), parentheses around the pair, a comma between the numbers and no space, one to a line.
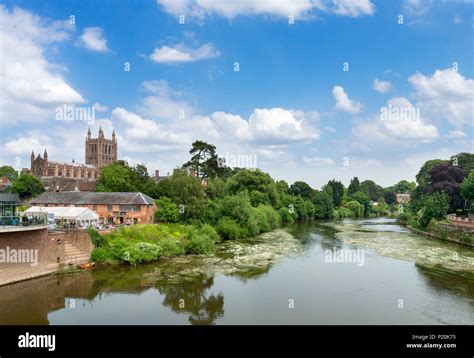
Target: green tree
(27,186)
(404,186)
(254,181)
(373,191)
(463,160)
(205,160)
(390,197)
(323,205)
(118,176)
(362,199)
(356,208)
(282,187)
(435,206)
(9,172)
(467,188)
(337,191)
(166,210)
(301,188)
(186,192)
(354,186)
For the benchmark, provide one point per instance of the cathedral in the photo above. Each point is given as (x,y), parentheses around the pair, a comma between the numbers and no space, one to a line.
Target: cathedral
(99,152)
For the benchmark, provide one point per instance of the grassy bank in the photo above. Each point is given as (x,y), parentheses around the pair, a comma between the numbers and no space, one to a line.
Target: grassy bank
(145,243)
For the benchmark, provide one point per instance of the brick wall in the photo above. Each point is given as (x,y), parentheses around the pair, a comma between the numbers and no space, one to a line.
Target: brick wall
(50,254)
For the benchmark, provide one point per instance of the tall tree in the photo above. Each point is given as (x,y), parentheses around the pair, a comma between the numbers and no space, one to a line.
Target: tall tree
(404,186)
(27,186)
(337,191)
(8,172)
(463,160)
(259,185)
(447,178)
(204,160)
(301,188)
(467,189)
(373,191)
(354,186)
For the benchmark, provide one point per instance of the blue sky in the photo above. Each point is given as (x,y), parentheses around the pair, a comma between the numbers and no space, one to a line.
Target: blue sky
(292,105)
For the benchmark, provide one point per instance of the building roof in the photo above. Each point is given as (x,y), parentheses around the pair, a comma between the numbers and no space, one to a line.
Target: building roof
(93,198)
(7,197)
(66,212)
(68,184)
(73,164)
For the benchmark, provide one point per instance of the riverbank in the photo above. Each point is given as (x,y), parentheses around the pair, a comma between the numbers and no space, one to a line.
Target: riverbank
(447,232)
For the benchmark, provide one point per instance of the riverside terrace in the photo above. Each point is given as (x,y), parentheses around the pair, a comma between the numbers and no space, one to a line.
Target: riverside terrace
(112,207)
(11,220)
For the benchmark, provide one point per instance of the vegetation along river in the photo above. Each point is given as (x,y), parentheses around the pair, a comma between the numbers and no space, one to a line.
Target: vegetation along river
(368,271)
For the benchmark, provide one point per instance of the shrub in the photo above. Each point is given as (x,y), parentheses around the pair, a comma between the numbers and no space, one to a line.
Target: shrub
(230,229)
(286,216)
(435,206)
(273,219)
(97,239)
(201,240)
(356,208)
(166,210)
(100,254)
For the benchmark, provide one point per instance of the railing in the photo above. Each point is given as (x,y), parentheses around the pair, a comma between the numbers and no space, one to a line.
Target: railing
(23,220)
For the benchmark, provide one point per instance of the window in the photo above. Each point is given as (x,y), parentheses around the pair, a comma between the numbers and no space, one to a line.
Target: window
(130,208)
(110,207)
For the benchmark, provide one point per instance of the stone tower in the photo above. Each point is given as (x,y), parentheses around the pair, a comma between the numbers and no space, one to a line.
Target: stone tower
(100,151)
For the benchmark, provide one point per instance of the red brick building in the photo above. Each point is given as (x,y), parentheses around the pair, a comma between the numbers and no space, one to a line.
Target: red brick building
(113,208)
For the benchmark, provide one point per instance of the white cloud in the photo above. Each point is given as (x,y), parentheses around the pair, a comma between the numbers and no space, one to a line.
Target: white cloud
(382,86)
(180,53)
(445,94)
(278,125)
(93,39)
(417,7)
(31,87)
(343,102)
(301,9)
(411,127)
(24,146)
(318,161)
(353,8)
(100,107)
(456,134)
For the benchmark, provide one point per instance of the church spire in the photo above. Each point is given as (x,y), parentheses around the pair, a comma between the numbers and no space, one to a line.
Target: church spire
(101,133)
(89,133)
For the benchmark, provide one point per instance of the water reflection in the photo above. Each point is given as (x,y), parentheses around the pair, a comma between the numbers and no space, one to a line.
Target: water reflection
(191,297)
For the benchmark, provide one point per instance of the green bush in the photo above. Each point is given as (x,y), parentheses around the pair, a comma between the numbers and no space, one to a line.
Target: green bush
(286,216)
(356,208)
(201,240)
(101,254)
(273,219)
(166,210)
(229,229)
(96,238)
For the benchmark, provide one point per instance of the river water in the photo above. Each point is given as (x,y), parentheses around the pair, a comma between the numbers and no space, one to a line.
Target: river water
(369,271)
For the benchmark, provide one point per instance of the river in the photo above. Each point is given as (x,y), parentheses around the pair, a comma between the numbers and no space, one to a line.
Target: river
(296,275)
